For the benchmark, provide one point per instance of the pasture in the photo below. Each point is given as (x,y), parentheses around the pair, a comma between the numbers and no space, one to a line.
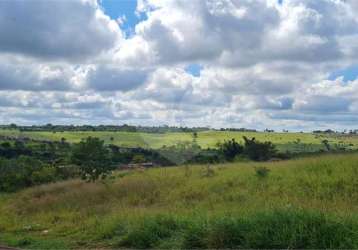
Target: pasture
(302,203)
(293,142)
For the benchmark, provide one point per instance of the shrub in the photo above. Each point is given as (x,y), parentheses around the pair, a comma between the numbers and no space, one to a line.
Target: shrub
(195,235)
(230,149)
(326,145)
(182,152)
(138,159)
(24,172)
(150,232)
(228,232)
(65,172)
(262,172)
(259,151)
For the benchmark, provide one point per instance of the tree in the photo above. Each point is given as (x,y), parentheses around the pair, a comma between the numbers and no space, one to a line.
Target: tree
(258,151)
(325,142)
(63,140)
(92,157)
(230,149)
(13,126)
(195,136)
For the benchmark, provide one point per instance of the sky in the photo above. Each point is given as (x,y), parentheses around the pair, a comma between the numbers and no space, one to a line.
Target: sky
(290,64)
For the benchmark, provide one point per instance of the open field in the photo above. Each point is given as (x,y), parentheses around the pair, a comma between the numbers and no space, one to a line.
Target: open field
(304,203)
(294,142)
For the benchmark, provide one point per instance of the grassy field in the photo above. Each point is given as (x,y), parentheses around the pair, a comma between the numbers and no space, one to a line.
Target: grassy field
(304,203)
(294,142)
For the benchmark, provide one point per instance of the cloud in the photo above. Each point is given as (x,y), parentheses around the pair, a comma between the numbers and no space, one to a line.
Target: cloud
(201,30)
(21,75)
(264,64)
(323,104)
(66,30)
(111,78)
(239,33)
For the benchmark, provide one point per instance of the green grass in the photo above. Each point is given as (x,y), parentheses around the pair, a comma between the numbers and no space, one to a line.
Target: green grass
(304,203)
(285,141)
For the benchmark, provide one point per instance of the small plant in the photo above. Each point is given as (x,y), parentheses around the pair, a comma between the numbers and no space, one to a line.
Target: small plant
(262,172)
(188,171)
(209,171)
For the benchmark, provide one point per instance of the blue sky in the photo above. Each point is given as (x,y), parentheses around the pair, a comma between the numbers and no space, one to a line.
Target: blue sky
(349,74)
(194,69)
(119,8)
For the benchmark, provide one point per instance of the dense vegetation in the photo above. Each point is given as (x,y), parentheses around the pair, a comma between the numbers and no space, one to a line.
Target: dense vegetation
(26,162)
(301,203)
(24,165)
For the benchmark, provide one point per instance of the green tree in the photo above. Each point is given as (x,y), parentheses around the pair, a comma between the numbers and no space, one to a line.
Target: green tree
(325,142)
(259,151)
(230,149)
(63,140)
(93,159)
(195,137)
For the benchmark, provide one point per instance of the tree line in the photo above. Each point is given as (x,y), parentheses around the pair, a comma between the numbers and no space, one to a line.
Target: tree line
(24,164)
(110,128)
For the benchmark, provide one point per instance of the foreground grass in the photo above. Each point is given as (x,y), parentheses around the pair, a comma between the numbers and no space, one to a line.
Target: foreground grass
(294,142)
(304,203)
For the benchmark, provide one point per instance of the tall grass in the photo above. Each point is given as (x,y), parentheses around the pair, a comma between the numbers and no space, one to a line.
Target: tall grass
(303,203)
(279,229)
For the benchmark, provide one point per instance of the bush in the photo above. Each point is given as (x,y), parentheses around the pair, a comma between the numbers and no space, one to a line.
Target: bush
(65,172)
(259,151)
(252,149)
(262,172)
(195,234)
(138,159)
(24,172)
(181,153)
(230,149)
(150,232)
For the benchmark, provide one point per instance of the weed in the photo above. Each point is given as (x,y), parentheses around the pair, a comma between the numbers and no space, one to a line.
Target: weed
(208,171)
(262,172)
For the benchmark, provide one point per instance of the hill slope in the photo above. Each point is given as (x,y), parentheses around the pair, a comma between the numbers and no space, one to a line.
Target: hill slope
(304,203)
